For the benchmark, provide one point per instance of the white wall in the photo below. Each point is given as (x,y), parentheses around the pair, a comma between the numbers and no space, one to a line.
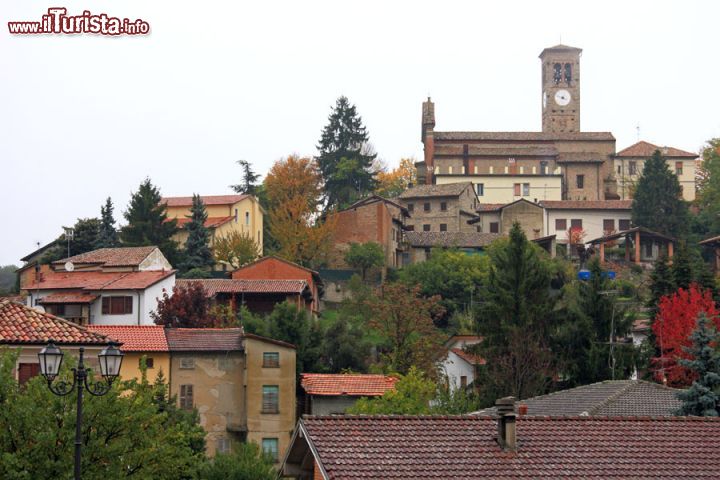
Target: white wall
(149,298)
(453,367)
(592,222)
(500,188)
(155,261)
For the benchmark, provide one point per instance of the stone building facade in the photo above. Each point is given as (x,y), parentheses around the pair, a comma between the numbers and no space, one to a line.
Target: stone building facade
(560,162)
(440,208)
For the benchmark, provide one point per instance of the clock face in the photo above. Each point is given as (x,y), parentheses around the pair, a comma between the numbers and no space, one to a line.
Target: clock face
(562,97)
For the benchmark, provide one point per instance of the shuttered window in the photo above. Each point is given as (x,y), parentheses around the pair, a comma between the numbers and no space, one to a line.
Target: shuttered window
(117,305)
(186,397)
(26,371)
(270,399)
(271,359)
(560,224)
(494,227)
(270,448)
(609,225)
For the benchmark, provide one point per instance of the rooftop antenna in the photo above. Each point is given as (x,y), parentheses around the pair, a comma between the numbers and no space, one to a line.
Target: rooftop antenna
(637,128)
(69,234)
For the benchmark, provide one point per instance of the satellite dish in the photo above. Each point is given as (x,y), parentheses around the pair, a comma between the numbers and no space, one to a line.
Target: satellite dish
(39,308)
(69,266)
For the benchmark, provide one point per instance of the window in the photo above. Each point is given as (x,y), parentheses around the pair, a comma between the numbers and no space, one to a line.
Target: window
(443,227)
(516,189)
(560,224)
(271,359)
(494,227)
(581,181)
(576,223)
(411,207)
(632,167)
(624,224)
(26,371)
(426,228)
(426,207)
(543,168)
(568,73)
(557,73)
(222,445)
(58,310)
(186,397)
(678,168)
(608,225)
(410,228)
(149,362)
(236,215)
(649,249)
(187,363)
(247,218)
(463,381)
(526,189)
(478,229)
(480,189)
(270,448)
(443,206)
(270,398)
(117,305)
(619,169)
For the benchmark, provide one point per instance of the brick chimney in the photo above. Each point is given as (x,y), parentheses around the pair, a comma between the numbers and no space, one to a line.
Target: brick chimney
(507,437)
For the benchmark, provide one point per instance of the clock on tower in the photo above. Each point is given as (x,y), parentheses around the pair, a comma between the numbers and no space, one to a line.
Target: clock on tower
(561,89)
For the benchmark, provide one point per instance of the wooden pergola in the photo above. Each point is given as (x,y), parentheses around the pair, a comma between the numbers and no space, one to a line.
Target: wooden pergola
(713,243)
(637,236)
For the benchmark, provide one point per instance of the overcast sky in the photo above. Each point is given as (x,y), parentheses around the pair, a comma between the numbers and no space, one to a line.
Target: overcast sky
(86,117)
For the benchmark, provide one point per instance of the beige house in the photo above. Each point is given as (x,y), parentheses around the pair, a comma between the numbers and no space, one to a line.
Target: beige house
(440,208)
(593,218)
(226,214)
(242,385)
(629,164)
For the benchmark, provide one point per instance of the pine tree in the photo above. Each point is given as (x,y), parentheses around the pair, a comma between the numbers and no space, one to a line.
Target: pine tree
(107,234)
(345,163)
(661,283)
(84,236)
(148,223)
(658,203)
(248,185)
(681,269)
(197,250)
(703,396)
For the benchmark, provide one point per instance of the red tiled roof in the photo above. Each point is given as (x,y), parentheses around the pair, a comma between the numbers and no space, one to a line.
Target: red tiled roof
(523,136)
(587,204)
(646,149)
(211,222)
(213,286)
(360,385)
(204,339)
(470,358)
(435,447)
(207,200)
(135,338)
(69,297)
(24,325)
(111,257)
(490,207)
(275,258)
(99,280)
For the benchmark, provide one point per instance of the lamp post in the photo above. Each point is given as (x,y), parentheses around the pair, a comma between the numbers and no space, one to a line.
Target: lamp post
(51,358)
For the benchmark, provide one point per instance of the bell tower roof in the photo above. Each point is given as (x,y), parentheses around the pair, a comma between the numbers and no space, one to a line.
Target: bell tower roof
(560,48)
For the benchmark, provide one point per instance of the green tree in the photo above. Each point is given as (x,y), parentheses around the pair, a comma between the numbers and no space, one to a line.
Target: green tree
(148,223)
(107,233)
(8,279)
(197,249)
(662,283)
(364,256)
(84,238)
(658,203)
(703,396)
(246,462)
(453,275)
(345,162)
(344,347)
(249,183)
(125,435)
(235,248)
(708,185)
(681,269)
(296,326)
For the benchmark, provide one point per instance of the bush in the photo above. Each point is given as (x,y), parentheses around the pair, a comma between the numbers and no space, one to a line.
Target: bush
(246,462)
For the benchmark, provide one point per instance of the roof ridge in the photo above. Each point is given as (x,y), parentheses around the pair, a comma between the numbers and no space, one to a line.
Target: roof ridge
(612,397)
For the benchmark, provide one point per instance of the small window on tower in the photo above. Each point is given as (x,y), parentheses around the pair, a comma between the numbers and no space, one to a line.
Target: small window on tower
(568,73)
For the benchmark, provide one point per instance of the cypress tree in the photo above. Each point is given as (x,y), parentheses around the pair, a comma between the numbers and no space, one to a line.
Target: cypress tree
(682,271)
(702,398)
(148,223)
(197,250)
(345,163)
(661,283)
(107,234)
(658,203)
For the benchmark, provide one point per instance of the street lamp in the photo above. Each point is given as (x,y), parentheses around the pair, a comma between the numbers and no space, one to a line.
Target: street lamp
(51,358)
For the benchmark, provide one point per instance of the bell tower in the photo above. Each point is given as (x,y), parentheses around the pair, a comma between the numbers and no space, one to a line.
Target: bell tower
(561,89)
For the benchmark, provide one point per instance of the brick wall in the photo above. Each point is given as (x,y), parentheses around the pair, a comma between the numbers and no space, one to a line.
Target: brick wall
(274,269)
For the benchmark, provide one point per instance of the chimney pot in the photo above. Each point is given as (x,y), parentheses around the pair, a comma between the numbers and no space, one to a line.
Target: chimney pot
(506,423)
(522,409)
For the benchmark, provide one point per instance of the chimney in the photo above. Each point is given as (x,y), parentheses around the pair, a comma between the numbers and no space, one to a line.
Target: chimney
(506,423)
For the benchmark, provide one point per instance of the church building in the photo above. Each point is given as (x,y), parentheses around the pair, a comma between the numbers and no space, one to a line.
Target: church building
(561,162)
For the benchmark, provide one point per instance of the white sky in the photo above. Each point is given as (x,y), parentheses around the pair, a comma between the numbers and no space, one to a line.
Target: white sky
(86,117)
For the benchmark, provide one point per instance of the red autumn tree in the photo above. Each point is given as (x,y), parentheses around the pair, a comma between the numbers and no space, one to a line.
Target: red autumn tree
(187,307)
(675,321)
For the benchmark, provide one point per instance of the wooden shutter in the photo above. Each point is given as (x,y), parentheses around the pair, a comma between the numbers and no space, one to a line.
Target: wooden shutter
(186,396)
(26,371)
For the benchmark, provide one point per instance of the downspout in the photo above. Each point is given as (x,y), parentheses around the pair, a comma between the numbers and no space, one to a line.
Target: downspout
(137,292)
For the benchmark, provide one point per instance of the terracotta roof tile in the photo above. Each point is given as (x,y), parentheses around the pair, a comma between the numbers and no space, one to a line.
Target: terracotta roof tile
(69,297)
(523,136)
(360,385)
(646,149)
(618,397)
(111,257)
(444,190)
(587,204)
(207,200)
(214,286)
(24,325)
(470,358)
(434,447)
(135,338)
(204,339)
(490,207)
(92,281)
(451,239)
(211,222)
